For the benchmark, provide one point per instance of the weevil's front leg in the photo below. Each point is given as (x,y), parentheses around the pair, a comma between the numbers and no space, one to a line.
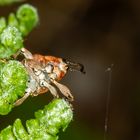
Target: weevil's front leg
(24,52)
(16,54)
(21,100)
(64,90)
(50,87)
(27,54)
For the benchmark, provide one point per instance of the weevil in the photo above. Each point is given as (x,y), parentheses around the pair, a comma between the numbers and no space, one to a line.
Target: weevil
(45,72)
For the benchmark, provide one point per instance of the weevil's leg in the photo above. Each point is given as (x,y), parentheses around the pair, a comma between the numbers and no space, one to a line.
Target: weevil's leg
(16,54)
(51,89)
(64,90)
(26,53)
(32,75)
(3,60)
(21,100)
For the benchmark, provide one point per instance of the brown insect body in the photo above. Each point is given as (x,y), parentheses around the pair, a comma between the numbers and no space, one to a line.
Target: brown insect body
(38,67)
(59,67)
(45,72)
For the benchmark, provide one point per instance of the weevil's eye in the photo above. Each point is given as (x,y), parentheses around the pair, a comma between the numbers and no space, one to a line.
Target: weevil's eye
(49,68)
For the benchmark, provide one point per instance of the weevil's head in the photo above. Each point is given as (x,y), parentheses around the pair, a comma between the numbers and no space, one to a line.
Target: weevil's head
(73,66)
(56,68)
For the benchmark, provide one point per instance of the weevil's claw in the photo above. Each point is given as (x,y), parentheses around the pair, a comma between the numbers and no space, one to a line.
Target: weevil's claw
(21,100)
(64,90)
(70,99)
(3,60)
(15,56)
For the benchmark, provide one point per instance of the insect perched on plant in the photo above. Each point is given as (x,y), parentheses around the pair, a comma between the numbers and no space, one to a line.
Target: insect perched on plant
(44,74)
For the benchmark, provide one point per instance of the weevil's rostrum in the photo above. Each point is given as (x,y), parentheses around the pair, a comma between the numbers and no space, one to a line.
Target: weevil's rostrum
(45,72)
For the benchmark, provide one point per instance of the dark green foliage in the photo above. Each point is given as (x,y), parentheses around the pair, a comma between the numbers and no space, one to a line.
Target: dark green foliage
(2,24)
(13,30)
(27,17)
(46,125)
(13,80)
(11,41)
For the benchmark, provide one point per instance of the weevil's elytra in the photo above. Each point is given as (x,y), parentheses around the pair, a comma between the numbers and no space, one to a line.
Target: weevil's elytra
(45,72)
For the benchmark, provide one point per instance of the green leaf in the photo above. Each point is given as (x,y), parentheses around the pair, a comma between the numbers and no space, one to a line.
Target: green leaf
(28,18)
(7,134)
(53,110)
(11,41)
(58,112)
(18,25)
(12,20)
(13,83)
(19,131)
(2,24)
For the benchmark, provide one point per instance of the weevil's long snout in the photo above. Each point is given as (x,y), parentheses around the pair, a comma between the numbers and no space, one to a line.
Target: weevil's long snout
(74,66)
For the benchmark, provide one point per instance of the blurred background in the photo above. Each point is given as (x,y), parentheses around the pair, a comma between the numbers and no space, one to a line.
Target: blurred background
(96,33)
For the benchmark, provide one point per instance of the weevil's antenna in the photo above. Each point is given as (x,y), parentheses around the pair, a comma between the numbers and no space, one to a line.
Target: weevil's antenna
(109,70)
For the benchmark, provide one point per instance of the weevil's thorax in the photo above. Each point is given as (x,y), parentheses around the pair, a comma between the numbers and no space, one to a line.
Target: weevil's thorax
(53,66)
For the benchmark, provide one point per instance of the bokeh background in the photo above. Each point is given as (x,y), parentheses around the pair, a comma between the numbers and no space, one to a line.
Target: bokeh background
(96,33)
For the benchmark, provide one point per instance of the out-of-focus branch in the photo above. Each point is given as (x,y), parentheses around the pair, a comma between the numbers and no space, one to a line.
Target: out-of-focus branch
(8,2)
